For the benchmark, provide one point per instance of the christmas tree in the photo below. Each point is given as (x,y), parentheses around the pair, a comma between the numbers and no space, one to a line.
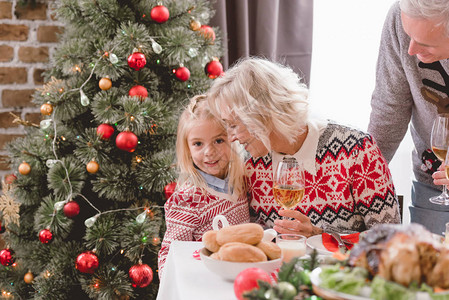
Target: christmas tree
(93,176)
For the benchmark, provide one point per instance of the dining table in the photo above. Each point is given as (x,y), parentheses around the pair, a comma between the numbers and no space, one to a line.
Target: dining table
(185,277)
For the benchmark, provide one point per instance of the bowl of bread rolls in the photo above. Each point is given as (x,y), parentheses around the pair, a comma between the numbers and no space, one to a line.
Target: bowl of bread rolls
(231,249)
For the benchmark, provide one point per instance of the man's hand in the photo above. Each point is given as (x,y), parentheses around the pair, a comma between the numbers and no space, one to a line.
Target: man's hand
(439,177)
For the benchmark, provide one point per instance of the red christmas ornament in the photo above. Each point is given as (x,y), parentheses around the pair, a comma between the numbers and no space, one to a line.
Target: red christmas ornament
(169,189)
(87,262)
(213,69)
(10,178)
(71,209)
(159,14)
(45,236)
(126,141)
(182,73)
(141,275)
(7,257)
(137,61)
(207,32)
(105,131)
(138,91)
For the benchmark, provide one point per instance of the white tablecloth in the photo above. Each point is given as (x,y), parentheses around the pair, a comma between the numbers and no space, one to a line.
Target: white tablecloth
(187,278)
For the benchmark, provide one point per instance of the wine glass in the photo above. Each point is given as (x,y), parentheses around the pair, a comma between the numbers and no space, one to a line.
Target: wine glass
(445,201)
(292,245)
(439,141)
(289,183)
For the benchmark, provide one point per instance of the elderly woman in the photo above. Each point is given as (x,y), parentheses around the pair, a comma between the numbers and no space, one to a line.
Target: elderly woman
(348,184)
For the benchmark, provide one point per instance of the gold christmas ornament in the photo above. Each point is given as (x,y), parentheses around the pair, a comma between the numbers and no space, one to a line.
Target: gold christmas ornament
(105,84)
(46,109)
(92,167)
(28,278)
(195,25)
(24,168)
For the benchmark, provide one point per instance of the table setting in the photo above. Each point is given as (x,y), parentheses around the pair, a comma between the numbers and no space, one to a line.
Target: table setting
(190,268)
(326,243)
(191,272)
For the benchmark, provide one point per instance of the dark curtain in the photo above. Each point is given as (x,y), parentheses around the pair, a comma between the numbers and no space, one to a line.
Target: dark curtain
(280,30)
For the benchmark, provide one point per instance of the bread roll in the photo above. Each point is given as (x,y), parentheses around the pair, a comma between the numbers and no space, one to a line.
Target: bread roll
(271,250)
(210,241)
(215,256)
(241,252)
(249,233)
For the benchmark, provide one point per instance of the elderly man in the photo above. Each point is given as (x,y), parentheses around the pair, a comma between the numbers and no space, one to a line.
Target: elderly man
(412,86)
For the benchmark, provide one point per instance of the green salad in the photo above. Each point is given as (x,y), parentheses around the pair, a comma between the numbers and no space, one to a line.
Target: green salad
(351,281)
(343,279)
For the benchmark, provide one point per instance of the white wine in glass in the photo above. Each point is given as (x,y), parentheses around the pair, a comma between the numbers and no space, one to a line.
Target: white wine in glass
(289,183)
(439,141)
(439,153)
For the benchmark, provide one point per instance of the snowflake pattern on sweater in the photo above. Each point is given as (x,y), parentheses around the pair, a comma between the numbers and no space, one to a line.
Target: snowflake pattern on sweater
(352,190)
(189,214)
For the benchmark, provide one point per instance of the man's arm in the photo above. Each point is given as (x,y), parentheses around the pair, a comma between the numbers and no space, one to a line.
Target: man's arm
(391,103)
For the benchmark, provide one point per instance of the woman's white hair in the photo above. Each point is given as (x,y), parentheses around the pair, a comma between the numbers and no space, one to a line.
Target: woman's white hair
(428,9)
(266,96)
(197,110)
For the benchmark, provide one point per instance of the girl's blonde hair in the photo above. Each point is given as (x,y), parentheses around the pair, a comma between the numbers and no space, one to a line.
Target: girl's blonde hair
(265,96)
(197,110)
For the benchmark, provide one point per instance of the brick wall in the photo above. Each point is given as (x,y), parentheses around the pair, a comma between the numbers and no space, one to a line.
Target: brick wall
(28,36)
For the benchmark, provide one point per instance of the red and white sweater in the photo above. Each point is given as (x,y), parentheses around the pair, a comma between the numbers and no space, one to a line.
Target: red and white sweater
(189,214)
(348,182)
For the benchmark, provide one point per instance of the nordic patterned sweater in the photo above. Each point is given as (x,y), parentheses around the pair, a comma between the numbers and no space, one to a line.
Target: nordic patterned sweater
(351,191)
(407,90)
(189,213)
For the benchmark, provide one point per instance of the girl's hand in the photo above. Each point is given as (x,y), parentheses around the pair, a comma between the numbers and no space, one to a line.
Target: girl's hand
(300,225)
(439,177)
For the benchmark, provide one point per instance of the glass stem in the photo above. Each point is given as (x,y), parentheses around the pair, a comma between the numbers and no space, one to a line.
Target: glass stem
(444,190)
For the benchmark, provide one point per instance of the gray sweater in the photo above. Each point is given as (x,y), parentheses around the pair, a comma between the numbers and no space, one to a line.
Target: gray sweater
(407,90)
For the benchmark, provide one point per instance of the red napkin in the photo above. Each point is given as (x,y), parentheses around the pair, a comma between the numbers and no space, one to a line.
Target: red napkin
(331,244)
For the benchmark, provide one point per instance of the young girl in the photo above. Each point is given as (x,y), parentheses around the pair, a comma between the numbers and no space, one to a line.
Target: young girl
(210,182)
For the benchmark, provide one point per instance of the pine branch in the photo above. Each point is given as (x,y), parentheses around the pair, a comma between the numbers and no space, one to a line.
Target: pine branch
(19,121)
